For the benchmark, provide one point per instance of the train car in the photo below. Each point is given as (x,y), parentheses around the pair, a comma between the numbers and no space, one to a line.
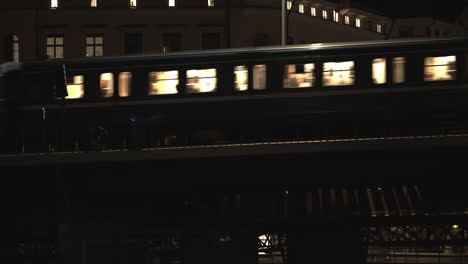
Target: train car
(297,92)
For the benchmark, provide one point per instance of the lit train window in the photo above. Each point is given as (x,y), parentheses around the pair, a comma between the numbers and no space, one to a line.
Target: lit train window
(53,4)
(107,84)
(358,22)
(125,84)
(201,81)
(75,87)
(399,70)
(336,16)
(132,3)
(165,82)
(379,71)
(324,14)
(439,68)
(338,73)
(259,77)
(289,5)
(313,11)
(301,8)
(298,75)
(241,78)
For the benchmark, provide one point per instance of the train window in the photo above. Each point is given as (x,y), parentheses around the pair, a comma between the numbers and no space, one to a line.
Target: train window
(336,16)
(399,70)
(93,3)
(439,68)
(346,20)
(338,73)
(324,14)
(379,71)
(132,3)
(241,77)
(259,77)
(75,87)
(313,11)
(125,83)
(107,84)
(358,22)
(289,5)
(301,8)
(201,81)
(298,75)
(165,82)
(53,4)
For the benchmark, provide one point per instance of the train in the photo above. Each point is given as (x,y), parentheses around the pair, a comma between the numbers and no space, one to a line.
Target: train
(280,93)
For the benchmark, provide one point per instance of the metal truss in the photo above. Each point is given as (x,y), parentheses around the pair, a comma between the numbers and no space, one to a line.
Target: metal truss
(272,248)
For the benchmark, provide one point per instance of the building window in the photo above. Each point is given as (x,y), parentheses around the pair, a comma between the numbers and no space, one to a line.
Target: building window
(94,46)
(346,20)
(259,77)
(94,3)
(55,47)
(336,16)
(313,11)
(440,68)
(324,14)
(133,43)
(379,71)
(201,81)
(164,82)
(171,3)
(15,48)
(241,78)
(358,22)
(289,5)
(171,42)
(338,73)
(379,28)
(211,40)
(125,84)
(53,4)
(75,87)
(301,8)
(211,3)
(298,75)
(399,70)
(132,3)
(107,84)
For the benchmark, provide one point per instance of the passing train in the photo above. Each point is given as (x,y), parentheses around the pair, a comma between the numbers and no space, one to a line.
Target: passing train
(295,92)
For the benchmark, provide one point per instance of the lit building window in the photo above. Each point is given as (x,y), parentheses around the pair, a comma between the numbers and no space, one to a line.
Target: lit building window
(301,8)
(399,70)
(132,3)
(379,28)
(298,75)
(94,3)
(324,14)
(211,3)
(54,49)
(338,73)
(171,3)
(75,87)
(201,81)
(165,82)
(289,5)
(107,84)
(358,22)
(346,20)
(94,46)
(241,78)
(379,71)
(125,84)
(259,77)
(53,4)
(336,16)
(440,68)
(313,11)
(15,48)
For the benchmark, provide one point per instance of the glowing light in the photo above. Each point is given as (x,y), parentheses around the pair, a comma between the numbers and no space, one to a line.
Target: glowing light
(289,5)
(201,81)
(294,79)
(165,82)
(455,226)
(75,90)
(379,71)
(242,77)
(125,83)
(107,84)
(439,68)
(313,11)
(53,3)
(259,77)
(301,8)
(338,73)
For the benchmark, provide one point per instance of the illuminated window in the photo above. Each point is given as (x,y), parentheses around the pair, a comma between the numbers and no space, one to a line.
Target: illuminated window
(338,73)
(171,3)
(379,71)
(301,8)
(398,70)
(336,16)
(15,48)
(132,3)
(324,14)
(165,82)
(75,87)
(439,68)
(298,75)
(94,3)
(289,5)
(211,3)
(346,20)
(358,22)
(379,28)
(54,48)
(53,4)
(201,81)
(241,78)
(313,11)
(125,84)
(272,249)
(94,45)
(107,84)
(259,77)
